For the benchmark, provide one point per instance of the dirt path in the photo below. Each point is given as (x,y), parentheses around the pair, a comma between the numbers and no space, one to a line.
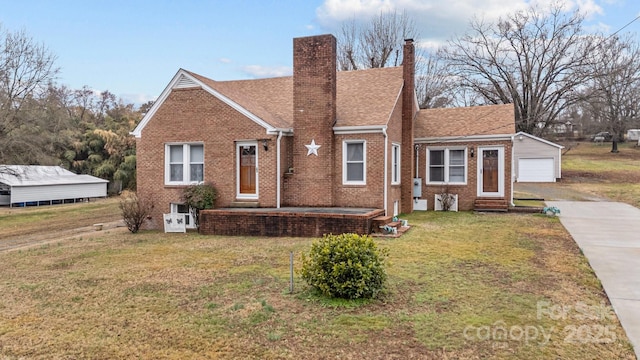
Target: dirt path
(22,242)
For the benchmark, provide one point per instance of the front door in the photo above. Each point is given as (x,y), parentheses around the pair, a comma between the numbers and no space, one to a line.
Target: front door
(247,165)
(491,171)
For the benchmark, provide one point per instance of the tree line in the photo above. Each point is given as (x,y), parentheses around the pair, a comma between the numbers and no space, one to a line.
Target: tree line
(541,59)
(45,123)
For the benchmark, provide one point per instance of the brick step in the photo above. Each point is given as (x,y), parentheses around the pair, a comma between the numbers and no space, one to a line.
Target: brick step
(498,205)
(380,221)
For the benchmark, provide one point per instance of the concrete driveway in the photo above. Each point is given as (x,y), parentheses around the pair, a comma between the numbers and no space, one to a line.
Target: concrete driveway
(609,235)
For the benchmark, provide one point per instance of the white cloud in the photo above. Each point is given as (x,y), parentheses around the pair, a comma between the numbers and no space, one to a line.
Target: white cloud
(259,71)
(436,20)
(137,99)
(225,60)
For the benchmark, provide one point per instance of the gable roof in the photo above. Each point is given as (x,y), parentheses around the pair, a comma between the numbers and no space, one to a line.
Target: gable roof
(363,98)
(522,133)
(34,175)
(474,121)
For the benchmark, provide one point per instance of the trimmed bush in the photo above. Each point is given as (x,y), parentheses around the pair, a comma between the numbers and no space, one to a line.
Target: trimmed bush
(346,266)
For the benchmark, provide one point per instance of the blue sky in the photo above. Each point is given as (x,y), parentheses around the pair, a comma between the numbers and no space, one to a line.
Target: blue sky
(133,48)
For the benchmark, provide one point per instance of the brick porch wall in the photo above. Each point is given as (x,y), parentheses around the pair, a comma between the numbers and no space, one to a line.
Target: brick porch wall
(256,223)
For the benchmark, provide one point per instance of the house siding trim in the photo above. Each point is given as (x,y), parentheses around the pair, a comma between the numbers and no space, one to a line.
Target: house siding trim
(465,138)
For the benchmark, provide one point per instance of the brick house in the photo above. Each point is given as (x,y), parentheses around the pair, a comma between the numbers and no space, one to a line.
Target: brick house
(319,138)
(466,152)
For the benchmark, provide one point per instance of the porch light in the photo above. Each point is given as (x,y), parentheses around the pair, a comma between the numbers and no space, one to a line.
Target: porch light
(472,151)
(265,144)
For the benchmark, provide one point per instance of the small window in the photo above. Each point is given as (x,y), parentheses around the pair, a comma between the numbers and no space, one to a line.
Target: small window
(395,164)
(184,164)
(447,166)
(354,163)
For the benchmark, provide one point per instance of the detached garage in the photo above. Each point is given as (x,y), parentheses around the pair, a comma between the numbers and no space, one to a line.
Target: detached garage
(536,159)
(45,185)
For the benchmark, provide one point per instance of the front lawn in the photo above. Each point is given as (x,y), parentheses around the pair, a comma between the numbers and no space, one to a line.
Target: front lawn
(462,285)
(595,169)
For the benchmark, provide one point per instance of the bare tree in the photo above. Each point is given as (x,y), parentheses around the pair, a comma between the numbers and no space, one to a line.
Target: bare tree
(26,70)
(613,97)
(534,59)
(376,44)
(434,83)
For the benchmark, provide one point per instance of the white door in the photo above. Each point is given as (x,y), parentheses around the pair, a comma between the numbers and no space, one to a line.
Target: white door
(536,170)
(491,171)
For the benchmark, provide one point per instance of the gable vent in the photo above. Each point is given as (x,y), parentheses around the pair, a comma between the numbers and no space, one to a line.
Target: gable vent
(185,82)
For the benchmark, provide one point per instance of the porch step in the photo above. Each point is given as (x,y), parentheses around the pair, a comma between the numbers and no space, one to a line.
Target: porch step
(244,204)
(487,204)
(379,221)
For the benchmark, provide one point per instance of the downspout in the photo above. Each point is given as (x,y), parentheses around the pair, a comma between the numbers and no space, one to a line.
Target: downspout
(386,160)
(278,174)
(513,137)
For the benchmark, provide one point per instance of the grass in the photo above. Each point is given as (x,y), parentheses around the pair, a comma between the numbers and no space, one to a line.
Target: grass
(594,169)
(456,281)
(36,220)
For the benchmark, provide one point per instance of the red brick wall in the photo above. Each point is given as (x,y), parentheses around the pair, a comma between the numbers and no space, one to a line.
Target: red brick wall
(394,132)
(193,115)
(314,112)
(468,193)
(222,222)
(369,195)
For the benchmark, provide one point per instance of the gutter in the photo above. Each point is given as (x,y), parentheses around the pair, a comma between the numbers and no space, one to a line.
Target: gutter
(278,169)
(386,160)
(513,138)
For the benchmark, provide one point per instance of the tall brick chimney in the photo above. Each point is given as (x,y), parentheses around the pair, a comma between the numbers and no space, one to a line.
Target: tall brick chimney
(408,95)
(314,114)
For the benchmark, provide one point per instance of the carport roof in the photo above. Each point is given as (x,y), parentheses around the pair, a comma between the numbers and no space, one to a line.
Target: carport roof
(35,175)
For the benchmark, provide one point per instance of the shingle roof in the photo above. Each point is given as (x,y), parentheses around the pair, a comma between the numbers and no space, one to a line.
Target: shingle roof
(465,121)
(33,175)
(364,97)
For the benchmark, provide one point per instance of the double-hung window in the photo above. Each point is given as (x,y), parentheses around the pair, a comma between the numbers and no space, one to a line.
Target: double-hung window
(447,166)
(395,164)
(184,164)
(354,162)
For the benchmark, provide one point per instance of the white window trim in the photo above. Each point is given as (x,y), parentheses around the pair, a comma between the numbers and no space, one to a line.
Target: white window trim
(396,171)
(446,165)
(186,164)
(344,162)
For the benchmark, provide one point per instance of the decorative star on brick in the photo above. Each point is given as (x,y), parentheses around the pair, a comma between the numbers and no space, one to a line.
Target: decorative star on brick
(313,148)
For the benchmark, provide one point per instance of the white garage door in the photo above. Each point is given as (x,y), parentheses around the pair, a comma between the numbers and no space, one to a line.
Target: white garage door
(536,170)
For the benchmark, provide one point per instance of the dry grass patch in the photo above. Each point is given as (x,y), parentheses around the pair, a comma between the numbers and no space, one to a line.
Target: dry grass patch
(153,295)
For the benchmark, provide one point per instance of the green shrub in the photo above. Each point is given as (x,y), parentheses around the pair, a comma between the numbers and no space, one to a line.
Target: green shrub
(346,266)
(199,197)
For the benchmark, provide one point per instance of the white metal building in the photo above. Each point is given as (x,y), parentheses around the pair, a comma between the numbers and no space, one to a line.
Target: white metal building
(26,185)
(536,159)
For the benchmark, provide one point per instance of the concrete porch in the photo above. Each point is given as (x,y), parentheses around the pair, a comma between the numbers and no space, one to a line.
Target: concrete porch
(287,221)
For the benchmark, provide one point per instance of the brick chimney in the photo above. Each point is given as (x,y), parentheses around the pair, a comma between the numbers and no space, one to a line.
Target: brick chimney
(314,114)
(408,114)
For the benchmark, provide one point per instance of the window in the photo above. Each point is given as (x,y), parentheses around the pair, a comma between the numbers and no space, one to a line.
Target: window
(447,166)
(184,164)
(395,164)
(354,169)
